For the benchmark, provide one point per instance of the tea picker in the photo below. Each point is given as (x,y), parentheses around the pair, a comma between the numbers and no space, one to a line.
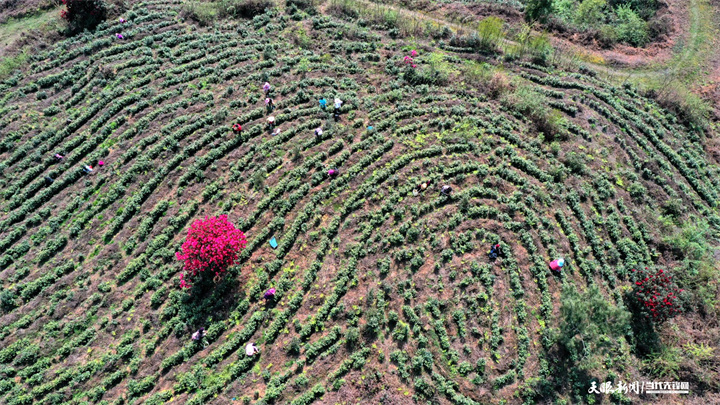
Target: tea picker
(199,334)
(557,264)
(318,132)
(266,87)
(446,190)
(494,252)
(271,122)
(58,157)
(332,172)
(48,180)
(338,104)
(323,103)
(251,349)
(87,169)
(269,105)
(269,294)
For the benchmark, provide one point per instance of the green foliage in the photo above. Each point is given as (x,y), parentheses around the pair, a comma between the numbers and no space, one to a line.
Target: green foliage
(308,6)
(490,31)
(365,270)
(588,320)
(436,71)
(84,14)
(10,63)
(698,274)
(631,28)
(537,10)
(533,105)
(8,300)
(590,12)
(665,363)
(637,190)
(206,13)
(575,162)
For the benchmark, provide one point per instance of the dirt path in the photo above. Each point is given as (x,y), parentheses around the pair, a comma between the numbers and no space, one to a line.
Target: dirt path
(696,51)
(691,52)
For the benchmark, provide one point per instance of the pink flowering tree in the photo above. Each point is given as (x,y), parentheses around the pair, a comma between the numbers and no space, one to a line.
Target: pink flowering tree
(211,247)
(657,294)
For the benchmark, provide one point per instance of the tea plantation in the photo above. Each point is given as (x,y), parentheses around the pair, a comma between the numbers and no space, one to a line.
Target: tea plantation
(384,290)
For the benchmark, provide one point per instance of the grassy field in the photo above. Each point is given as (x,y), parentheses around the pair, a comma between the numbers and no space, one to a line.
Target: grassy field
(10,31)
(384,294)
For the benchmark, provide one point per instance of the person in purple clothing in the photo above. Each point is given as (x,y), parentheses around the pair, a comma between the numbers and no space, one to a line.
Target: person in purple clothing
(199,334)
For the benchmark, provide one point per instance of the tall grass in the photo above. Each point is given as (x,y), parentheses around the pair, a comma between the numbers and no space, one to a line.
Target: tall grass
(403,23)
(490,31)
(8,64)
(207,12)
(530,43)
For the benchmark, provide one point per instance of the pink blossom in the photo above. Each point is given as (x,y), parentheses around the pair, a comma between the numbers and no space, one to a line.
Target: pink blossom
(212,245)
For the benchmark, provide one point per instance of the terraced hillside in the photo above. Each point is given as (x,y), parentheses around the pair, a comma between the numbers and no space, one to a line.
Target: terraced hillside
(383,296)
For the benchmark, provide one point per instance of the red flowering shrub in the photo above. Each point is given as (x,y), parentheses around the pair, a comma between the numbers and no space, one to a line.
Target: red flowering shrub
(81,14)
(657,294)
(212,245)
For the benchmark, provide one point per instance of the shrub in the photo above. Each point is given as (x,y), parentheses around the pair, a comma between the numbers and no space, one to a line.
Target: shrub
(606,35)
(8,300)
(689,107)
(243,8)
(540,48)
(306,5)
(294,347)
(490,30)
(637,190)
(352,336)
(537,10)
(212,245)
(575,162)
(589,321)
(660,25)
(203,13)
(533,105)
(498,84)
(437,71)
(590,12)
(657,294)
(83,14)
(631,28)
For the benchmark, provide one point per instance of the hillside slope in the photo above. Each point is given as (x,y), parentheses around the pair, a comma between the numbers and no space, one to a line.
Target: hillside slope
(383,296)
